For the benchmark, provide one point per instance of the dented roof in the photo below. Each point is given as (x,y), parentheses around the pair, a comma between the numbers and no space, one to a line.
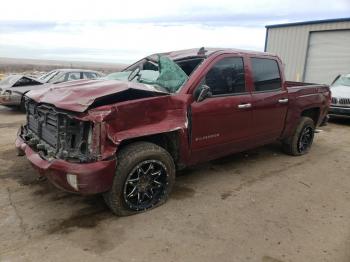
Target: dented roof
(187,53)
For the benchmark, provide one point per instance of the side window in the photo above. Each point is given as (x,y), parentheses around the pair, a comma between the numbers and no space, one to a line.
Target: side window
(226,77)
(89,75)
(73,76)
(266,74)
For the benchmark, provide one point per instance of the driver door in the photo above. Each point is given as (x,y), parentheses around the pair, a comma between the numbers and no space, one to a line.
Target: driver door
(221,123)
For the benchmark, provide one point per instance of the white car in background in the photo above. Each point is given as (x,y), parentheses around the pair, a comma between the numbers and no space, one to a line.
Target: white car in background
(14,87)
(340,105)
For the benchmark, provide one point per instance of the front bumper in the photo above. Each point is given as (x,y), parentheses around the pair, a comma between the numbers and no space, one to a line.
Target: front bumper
(10,100)
(92,178)
(339,111)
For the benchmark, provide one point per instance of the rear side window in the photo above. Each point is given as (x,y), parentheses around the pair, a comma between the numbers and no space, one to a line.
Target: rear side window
(73,76)
(89,75)
(266,74)
(226,77)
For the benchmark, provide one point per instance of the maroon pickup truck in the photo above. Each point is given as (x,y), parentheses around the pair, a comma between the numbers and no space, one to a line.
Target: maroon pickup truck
(125,136)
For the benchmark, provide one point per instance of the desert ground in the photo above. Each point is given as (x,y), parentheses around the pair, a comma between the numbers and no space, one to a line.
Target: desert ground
(260,205)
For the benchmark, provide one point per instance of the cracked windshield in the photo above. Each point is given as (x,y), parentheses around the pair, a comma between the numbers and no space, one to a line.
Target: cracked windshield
(163,73)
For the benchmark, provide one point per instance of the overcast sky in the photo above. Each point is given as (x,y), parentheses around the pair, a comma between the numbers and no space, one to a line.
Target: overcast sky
(123,31)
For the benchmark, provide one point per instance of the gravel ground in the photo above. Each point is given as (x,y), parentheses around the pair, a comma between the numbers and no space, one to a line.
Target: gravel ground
(259,205)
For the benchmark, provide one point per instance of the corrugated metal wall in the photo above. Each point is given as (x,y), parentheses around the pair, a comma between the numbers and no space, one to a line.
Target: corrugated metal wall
(291,44)
(328,56)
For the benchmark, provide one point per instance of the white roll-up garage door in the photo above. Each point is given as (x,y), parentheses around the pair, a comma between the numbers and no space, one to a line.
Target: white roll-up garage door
(328,56)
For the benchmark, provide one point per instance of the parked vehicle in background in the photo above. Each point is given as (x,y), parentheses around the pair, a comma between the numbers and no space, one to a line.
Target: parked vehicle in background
(64,75)
(126,138)
(340,105)
(151,75)
(14,87)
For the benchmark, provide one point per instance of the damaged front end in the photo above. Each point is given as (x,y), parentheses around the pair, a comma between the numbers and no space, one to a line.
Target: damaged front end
(65,149)
(56,134)
(74,130)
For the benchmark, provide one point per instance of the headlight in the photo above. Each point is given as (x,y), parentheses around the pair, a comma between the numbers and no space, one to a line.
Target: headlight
(7,94)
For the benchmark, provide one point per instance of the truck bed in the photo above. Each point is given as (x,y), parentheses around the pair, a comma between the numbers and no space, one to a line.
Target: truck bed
(295,83)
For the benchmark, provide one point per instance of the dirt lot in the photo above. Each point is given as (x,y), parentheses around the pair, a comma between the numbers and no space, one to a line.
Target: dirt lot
(256,206)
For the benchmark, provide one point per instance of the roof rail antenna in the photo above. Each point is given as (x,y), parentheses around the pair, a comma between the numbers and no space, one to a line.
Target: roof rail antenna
(202,51)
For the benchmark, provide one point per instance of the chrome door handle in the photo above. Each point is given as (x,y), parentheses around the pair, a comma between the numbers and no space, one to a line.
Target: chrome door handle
(248,105)
(283,100)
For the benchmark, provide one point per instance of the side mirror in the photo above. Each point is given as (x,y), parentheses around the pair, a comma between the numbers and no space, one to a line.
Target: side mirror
(201,93)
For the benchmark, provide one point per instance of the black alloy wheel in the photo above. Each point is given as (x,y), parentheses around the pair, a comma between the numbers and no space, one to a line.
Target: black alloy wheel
(300,142)
(305,139)
(144,177)
(145,185)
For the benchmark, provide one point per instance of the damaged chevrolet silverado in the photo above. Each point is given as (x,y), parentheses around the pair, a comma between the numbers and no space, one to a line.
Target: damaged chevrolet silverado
(126,136)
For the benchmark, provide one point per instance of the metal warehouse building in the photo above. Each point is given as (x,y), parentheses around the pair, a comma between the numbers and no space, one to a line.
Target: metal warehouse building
(314,51)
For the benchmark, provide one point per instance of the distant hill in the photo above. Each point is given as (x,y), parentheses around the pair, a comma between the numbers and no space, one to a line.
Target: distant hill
(16,65)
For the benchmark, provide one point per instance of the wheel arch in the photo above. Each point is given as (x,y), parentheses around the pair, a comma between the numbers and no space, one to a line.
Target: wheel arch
(170,141)
(313,113)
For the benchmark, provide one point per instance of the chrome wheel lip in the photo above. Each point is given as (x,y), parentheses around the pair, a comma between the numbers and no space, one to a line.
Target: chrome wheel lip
(156,198)
(305,139)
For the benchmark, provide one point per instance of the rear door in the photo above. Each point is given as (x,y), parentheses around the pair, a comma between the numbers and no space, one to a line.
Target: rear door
(269,99)
(221,123)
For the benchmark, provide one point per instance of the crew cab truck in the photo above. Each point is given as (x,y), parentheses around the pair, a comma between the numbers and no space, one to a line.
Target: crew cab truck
(126,137)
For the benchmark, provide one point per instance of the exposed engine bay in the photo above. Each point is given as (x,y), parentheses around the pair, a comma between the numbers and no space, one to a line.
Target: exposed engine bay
(56,134)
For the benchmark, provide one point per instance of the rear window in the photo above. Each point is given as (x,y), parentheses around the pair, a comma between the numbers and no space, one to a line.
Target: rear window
(266,74)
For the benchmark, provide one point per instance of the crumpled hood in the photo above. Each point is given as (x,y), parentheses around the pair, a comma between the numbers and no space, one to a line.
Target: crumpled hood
(21,89)
(340,91)
(79,95)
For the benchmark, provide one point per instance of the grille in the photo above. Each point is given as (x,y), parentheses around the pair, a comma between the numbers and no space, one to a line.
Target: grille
(340,101)
(334,100)
(57,133)
(344,101)
(43,121)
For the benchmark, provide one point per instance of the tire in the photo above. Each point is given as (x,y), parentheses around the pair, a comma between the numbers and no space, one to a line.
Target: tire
(22,107)
(141,168)
(301,141)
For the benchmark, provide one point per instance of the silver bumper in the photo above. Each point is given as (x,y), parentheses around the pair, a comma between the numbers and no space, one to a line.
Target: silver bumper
(13,99)
(339,111)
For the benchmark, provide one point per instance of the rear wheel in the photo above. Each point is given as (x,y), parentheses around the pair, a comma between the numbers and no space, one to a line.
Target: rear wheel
(144,177)
(301,141)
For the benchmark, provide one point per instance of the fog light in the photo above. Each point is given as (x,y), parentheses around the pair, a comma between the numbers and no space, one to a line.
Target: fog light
(73,181)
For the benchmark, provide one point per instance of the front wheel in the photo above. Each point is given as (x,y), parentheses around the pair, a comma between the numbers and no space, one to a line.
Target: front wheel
(301,141)
(144,177)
